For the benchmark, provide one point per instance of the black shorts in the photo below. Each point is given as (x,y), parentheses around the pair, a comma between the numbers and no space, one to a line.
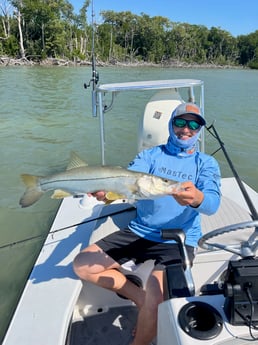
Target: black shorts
(124,245)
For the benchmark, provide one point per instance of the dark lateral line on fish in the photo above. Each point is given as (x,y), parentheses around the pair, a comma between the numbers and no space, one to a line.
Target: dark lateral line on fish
(81,179)
(129,209)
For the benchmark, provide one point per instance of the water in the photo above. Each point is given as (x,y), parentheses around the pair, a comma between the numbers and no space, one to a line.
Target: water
(46,113)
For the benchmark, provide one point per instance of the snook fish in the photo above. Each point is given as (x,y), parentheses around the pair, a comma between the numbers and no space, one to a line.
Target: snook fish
(79,178)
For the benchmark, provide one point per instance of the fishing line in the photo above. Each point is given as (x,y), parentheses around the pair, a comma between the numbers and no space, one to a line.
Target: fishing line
(246,196)
(67,227)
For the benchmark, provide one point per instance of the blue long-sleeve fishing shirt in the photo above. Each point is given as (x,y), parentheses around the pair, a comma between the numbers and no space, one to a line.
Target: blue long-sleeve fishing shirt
(165,212)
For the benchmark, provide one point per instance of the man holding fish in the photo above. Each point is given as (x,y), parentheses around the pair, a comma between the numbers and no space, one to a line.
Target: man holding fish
(199,192)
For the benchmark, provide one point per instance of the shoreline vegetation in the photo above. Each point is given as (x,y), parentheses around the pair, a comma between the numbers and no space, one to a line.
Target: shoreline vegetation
(6,61)
(34,34)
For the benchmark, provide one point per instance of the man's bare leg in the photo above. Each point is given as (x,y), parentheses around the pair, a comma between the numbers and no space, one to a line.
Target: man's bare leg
(146,329)
(93,265)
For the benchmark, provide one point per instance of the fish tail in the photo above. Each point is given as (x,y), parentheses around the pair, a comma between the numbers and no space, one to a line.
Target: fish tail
(33,191)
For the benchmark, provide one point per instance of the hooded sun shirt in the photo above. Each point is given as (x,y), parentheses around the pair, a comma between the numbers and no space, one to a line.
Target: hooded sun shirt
(177,160)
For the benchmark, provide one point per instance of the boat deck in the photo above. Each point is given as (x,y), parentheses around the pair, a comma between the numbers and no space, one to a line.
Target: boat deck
(114,327)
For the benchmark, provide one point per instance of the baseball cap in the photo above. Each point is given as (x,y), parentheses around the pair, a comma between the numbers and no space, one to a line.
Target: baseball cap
(189,108)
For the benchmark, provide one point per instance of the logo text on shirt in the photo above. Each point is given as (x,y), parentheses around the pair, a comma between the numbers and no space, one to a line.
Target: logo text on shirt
(175,173)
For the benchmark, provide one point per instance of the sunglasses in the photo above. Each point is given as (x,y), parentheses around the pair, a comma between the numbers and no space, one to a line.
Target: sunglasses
(191,124)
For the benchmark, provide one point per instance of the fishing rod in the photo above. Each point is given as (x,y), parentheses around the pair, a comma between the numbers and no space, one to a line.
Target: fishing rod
(95,75)
(128,209)
(246,196)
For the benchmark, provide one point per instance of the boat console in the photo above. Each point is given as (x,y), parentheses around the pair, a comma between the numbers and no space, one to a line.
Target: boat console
(241,292)
(225,312)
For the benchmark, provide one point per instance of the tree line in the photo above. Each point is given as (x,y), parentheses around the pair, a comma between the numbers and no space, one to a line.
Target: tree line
(40,29)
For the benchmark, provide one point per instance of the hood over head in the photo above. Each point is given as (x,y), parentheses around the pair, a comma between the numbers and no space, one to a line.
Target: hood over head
(178,146)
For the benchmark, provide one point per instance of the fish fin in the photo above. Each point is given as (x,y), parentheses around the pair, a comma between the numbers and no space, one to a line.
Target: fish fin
(76,161)
(60,194)
(33,191)
(111,196)
(108,202)
(30,181)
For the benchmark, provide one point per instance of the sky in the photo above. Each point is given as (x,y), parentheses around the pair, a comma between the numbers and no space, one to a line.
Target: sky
(235,16)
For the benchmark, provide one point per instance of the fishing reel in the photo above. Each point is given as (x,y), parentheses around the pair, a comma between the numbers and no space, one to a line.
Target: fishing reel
(94,80)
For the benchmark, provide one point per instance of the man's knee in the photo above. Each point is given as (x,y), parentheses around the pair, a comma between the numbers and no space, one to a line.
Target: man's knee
(89,262)
(78,266)
(83,264)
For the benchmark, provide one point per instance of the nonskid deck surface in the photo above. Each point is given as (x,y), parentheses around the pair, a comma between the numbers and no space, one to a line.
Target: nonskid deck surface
(114,327)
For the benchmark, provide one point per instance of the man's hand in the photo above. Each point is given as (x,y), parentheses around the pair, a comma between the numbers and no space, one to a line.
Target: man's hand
(100,195)
(188,195)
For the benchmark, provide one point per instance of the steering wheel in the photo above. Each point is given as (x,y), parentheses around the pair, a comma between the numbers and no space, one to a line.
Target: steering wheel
(244,248)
